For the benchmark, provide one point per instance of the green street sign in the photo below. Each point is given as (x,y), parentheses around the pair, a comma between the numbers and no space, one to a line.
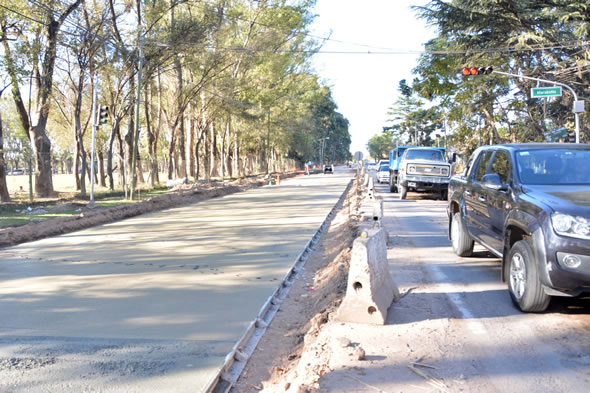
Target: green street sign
(540,92)
(556,135)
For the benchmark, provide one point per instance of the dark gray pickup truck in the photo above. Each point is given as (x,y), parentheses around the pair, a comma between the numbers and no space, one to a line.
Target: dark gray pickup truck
(530,205)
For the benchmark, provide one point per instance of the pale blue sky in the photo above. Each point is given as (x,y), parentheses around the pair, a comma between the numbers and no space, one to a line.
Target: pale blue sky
(364,86)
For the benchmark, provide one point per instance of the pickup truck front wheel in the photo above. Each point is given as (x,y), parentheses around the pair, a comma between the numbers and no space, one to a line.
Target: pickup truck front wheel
(460,239)
(524,285)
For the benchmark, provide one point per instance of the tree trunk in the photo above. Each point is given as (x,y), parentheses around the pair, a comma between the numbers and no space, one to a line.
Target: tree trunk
(122,166)
(4,195)
(114,132)
(171,152)
(42,144)
(80,151)
(222,158)
(213,151)
(158,130)
(139,168)
(102,174)
(76,161)
(191,143)
(150,135)
(197,161)
(129,136)
(236,158)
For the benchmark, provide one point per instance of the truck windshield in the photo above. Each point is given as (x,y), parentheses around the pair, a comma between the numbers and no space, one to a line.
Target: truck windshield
(554,166)
(416,154)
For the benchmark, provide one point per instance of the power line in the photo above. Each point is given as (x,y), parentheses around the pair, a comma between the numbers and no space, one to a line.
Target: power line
(24,16)
(570,44)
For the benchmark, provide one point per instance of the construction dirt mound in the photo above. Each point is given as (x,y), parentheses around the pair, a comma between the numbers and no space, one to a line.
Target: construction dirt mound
(88,217)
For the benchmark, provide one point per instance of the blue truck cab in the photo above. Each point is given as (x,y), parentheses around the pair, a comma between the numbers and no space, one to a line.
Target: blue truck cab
(395,156)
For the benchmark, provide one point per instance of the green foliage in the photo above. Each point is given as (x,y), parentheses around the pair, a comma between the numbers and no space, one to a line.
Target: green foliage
(239,70)
(380,145)
(538,39)
(411,122)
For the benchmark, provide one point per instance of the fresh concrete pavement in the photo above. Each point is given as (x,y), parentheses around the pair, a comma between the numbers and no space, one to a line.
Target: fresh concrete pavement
(153,303)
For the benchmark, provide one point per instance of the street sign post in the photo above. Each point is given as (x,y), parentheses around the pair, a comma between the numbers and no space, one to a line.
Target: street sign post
(541,92)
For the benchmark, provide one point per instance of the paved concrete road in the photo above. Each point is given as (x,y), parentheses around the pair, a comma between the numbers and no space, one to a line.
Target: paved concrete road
(153,303)
(458,318)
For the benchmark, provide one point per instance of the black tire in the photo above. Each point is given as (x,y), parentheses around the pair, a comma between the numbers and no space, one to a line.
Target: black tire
(460,240)
(444,195)
(524,284)
(403,192)
(392,187)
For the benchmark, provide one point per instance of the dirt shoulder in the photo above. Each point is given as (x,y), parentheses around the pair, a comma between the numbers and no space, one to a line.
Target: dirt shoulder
(289,357)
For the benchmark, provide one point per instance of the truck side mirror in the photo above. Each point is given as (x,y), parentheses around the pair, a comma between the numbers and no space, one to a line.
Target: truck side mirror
(453,158)
(493,181)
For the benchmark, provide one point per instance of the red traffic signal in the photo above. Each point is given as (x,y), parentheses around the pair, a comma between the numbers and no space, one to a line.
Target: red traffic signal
(477,70)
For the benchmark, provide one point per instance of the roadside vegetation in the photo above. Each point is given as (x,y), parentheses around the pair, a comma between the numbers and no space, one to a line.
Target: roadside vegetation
(547,40)
(190,89)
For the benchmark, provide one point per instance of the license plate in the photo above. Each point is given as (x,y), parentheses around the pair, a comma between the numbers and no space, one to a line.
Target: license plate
(410,184)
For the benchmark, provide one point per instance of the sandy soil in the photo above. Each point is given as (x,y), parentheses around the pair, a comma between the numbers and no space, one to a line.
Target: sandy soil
(92,217)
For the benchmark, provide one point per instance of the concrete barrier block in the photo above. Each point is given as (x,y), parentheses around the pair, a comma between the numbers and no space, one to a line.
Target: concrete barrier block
(378,210)
(371,189)
(370,289)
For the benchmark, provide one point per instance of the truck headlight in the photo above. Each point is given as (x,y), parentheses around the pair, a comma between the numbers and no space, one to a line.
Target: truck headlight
(444,171)
(572,226)
(411,169)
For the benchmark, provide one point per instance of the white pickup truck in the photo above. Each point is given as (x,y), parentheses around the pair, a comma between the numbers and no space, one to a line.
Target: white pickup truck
(424,169)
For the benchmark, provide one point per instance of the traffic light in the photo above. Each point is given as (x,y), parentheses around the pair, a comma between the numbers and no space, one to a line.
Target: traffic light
(103,115)
(477,70)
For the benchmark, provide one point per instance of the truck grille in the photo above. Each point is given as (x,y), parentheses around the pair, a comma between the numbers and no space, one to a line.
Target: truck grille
(428,170)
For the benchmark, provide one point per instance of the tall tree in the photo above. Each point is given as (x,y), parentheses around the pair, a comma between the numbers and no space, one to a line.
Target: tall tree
(43,67)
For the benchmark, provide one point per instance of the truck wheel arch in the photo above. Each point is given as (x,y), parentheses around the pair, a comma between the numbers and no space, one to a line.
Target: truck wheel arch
(512,234)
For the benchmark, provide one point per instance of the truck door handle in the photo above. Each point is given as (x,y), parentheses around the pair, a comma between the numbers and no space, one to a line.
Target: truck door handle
(482,199)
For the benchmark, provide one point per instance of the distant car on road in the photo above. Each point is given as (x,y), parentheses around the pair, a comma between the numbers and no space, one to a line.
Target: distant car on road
(18,172)
(383,174)
(372,166)
(328,169)
(528,204)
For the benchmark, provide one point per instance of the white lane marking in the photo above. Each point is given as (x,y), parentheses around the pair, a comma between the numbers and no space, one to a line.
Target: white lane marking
(451,291)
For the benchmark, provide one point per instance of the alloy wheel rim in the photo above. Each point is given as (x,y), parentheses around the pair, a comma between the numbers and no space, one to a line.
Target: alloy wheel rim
(518,275)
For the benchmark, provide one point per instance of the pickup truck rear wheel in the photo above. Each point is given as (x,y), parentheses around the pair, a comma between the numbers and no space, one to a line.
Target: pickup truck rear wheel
(460,239)
(403,192)
(524,285)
